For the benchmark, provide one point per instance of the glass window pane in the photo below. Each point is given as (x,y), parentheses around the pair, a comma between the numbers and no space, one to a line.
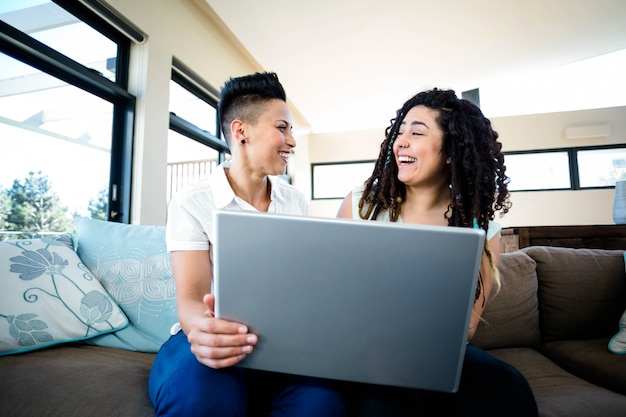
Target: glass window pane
(53,26)
(59,133)
(337,180)
(538,171)
(187,162)
(601,167)
(191,108)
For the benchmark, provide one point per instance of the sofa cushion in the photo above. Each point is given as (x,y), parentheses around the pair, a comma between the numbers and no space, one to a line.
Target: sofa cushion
(559,393)
(132,263)
(582,292)
(589,359)
(75,381)
(48,296)
(511,317)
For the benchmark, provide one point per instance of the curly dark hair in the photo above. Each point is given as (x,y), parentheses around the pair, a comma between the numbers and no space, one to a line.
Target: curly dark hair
(478,182)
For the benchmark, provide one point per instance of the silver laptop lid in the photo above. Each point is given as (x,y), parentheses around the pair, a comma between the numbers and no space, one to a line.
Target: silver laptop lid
(362,301)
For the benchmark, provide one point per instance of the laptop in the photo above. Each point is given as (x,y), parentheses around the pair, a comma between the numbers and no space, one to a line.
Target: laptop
(360,301)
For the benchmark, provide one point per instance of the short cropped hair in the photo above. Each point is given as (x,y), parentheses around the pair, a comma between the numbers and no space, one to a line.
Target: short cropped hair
(244,98)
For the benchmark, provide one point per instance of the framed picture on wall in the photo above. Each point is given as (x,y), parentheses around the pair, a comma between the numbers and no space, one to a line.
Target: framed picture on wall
(333,180)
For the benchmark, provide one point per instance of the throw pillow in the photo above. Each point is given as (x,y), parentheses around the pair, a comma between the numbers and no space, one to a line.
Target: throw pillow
(48,296)
(587,304)
(511,317)
(132,263)
(617,344)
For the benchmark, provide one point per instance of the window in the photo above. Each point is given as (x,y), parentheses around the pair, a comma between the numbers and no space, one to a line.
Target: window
(601,167)
(194,144)
(538,171)
(65,117)
(566,169)
(336,180)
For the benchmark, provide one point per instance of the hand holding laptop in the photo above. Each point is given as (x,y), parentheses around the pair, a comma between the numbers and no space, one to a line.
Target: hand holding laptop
(219,343)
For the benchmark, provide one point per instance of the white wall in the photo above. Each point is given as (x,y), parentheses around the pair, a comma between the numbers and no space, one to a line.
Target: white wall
(541,131)
(182,29)
(544,131)
(187,30)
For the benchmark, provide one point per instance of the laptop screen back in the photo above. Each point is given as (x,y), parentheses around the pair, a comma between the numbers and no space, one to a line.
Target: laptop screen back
(361,301)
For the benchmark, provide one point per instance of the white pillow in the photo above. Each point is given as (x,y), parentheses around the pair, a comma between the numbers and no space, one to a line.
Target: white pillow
(47,296)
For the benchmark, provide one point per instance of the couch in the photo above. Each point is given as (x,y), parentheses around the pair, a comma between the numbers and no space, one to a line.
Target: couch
(556,318)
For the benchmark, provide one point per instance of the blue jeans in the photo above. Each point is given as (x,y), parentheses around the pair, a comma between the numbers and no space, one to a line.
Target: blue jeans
(179,385)
(489,387)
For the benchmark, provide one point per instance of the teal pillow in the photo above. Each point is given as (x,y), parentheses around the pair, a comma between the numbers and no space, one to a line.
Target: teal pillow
(617,344)
(132,263)
(48,296)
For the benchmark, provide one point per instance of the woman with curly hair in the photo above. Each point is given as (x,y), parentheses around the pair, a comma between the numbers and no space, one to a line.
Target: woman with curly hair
(441,164)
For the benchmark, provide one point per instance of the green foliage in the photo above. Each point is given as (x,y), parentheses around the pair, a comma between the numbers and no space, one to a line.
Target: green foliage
(98,207)
(5,209)
(35,207)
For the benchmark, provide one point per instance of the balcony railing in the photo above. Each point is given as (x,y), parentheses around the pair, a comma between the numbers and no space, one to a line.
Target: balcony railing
(180,174)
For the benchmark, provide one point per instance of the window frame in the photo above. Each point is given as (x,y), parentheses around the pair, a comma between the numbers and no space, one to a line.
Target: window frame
(30,51)
(346,163)
(574,169)
(189,80)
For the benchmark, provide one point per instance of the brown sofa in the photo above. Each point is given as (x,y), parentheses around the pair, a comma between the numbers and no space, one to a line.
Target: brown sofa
(553,318)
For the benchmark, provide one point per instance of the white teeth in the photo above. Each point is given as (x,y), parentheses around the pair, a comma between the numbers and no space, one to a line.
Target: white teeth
(405,158)
(284,155)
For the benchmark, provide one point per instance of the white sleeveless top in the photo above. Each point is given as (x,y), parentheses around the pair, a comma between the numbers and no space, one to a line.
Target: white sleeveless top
(492,230)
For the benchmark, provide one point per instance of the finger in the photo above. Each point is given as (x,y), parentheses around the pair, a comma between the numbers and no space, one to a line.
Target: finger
(226,327)
(220,333)
(222,363)
(220,357)
(209,301)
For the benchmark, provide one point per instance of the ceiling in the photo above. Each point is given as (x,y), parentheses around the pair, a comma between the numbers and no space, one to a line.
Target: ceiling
(349,64)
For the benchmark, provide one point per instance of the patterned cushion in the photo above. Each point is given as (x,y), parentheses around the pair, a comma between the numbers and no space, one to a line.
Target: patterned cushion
(47,296)
(132,263)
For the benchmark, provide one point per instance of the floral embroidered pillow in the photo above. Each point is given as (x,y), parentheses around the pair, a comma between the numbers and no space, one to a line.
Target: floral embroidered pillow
(47,296)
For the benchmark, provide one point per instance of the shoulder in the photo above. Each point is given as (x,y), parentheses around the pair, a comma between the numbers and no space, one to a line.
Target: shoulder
(493,229)
(357,192)
(191,192)
(357,195)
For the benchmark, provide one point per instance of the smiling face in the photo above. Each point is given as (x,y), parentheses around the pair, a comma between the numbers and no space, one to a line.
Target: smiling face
(417,149)
(269,140)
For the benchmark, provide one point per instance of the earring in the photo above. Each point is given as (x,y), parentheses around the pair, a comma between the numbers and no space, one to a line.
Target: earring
(243,141)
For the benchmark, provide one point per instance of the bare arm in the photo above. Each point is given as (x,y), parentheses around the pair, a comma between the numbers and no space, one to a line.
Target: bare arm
(488,281)
(345,210)
(215,343)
